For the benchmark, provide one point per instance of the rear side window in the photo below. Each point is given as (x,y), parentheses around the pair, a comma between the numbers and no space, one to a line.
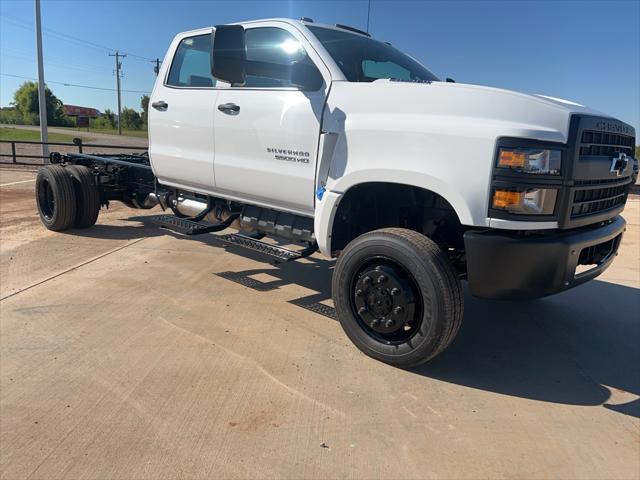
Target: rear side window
(191,66)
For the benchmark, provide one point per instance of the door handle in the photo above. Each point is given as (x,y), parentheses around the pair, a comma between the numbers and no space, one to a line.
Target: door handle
(230,108)
(160,105)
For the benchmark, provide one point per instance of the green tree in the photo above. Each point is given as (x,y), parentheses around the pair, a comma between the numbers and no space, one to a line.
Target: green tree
(25,99)
(144,103)
(11,115)
(107,120)
(131,120)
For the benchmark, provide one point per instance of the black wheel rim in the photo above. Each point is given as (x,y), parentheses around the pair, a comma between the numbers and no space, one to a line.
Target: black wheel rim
(386,301)
(45,199)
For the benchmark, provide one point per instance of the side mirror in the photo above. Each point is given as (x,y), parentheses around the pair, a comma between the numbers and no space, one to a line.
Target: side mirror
(306,77)
(450,80)
(229,54)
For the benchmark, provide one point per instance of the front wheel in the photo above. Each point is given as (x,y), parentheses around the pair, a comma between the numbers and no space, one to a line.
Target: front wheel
(398,297)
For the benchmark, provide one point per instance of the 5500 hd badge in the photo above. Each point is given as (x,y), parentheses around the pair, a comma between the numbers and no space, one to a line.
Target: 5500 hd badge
(287,155)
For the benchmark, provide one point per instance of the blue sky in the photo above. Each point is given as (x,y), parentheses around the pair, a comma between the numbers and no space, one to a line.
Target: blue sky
(586,51)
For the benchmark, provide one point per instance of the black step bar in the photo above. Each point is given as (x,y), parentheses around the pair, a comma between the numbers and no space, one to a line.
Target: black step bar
(280,253)
(189,227)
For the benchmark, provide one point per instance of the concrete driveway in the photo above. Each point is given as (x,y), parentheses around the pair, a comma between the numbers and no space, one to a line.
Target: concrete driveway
(129,352)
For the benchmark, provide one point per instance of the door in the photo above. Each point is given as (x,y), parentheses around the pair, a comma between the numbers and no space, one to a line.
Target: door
(181,117)
(267,131)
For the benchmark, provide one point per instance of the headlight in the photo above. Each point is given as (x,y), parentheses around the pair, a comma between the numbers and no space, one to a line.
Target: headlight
(536,161)
(530,201)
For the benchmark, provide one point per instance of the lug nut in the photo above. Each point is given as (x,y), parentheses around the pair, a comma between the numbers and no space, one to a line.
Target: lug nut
(374,323)
(366,280)
(359,293)
(362,310)
(390,323)
(395,291)
(398,310)
(382,279)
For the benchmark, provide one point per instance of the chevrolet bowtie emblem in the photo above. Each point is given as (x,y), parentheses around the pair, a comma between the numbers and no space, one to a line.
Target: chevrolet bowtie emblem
(619,164)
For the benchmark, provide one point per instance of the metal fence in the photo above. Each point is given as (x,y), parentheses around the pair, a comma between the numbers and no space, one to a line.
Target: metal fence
(14,156)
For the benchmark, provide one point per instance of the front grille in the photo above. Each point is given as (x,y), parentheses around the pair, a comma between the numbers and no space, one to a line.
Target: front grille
(596,200)
(598,182)
(606,144)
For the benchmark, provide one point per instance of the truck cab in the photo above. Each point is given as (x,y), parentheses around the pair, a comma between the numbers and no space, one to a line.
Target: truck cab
(323,136)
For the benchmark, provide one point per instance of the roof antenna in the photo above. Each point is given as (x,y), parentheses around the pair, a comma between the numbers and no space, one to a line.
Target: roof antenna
(368,15)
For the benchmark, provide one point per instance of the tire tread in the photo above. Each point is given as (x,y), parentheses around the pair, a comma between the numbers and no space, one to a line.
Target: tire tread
(87,196)
(64,194)
(444,278)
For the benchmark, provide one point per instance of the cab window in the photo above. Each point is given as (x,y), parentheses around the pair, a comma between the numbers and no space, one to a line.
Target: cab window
(191,66)
(271,52)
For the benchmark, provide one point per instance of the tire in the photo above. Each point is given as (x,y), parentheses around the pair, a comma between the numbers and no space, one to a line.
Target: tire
(55,197)
(86,194)
(409,316)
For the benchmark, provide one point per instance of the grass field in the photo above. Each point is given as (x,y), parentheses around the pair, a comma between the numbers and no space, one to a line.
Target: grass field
(125,133)
(8,133)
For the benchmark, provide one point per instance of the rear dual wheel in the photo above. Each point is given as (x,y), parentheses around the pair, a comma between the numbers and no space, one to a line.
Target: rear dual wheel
(87,196)
(67,196)
(55,197)
(398,297)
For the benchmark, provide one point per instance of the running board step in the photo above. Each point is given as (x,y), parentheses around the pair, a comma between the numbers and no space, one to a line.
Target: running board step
(282,254)
(189,227)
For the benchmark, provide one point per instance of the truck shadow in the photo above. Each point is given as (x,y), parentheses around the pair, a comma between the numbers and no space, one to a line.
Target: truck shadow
(116,232)
(576,348)
(579,347)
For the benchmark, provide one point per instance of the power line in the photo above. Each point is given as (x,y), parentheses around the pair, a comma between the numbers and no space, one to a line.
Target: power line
(52,58)
(73,84)
(72,66)
(66,36)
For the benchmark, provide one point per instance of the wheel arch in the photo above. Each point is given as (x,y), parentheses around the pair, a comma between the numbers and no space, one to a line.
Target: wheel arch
(331,208)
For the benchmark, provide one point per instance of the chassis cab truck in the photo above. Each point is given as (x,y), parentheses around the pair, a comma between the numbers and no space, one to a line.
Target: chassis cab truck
(330,141)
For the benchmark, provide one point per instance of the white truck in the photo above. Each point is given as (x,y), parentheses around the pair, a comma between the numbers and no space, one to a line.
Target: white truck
(322,137)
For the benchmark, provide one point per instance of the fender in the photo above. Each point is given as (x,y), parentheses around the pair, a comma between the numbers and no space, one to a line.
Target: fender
(327,206)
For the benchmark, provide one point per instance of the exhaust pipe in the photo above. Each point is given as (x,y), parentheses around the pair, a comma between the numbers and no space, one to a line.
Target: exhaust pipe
(189,207)
(150,201)
(192,208)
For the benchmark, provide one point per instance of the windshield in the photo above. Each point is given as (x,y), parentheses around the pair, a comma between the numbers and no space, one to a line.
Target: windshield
(363,59)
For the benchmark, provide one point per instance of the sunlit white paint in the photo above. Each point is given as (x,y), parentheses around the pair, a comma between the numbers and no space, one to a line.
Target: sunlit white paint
(438,136)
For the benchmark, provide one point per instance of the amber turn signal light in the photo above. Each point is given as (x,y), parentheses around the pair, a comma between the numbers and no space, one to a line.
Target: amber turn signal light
(512,159)
(507,199)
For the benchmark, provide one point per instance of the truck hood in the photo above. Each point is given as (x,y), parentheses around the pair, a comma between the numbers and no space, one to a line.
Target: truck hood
(440,106)
(503,95)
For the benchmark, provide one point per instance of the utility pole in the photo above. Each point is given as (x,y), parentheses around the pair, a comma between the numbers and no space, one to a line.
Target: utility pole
(156,69)
(42,100)
(118,67)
